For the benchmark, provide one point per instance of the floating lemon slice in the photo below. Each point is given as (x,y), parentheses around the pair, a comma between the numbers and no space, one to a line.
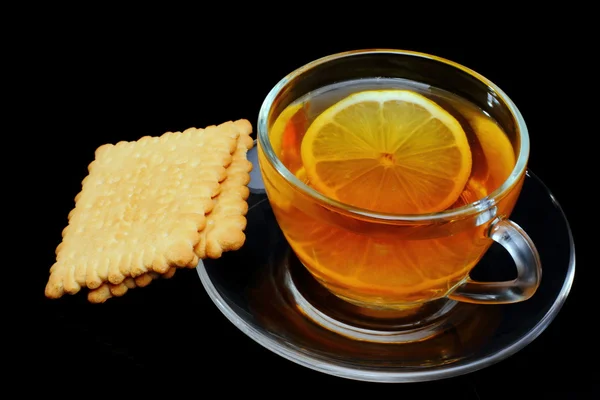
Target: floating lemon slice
(392,151)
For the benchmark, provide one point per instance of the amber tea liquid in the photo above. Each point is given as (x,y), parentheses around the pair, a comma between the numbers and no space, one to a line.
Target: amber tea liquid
(377,264)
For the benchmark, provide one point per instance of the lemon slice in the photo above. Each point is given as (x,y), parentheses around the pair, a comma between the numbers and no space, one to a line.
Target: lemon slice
(496,147)
(286,135)
(392,151)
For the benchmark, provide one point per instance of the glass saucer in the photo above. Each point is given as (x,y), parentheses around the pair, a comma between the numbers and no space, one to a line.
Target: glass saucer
(265,292)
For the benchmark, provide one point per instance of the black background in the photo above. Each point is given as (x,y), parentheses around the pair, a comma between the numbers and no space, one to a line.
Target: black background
(102,83)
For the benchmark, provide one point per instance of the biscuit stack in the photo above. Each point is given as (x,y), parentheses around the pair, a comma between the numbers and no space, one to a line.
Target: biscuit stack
(154,205)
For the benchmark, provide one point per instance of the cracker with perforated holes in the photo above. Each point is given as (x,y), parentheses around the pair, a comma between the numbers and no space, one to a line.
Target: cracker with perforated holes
(141,208)
(225,223)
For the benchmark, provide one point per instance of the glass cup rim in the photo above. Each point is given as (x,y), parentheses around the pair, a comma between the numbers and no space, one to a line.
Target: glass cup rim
(467,210)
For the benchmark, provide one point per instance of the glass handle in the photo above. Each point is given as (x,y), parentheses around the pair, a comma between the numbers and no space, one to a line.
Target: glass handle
(529,269)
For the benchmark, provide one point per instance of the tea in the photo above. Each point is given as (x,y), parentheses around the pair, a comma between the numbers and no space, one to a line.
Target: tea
(358,260)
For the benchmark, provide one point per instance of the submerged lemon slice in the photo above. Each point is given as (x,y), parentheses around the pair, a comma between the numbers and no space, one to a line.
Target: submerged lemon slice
(391,151)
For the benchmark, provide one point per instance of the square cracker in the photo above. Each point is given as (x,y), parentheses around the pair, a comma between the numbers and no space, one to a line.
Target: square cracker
(225,223)
(141,208)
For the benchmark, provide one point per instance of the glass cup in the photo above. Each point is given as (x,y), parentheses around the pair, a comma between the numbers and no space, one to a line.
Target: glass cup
(396,262)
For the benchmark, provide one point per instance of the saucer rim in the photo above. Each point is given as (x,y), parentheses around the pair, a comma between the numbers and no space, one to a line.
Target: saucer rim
(435,373)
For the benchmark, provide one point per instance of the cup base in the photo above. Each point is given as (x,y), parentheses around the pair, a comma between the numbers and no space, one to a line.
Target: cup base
(369,324)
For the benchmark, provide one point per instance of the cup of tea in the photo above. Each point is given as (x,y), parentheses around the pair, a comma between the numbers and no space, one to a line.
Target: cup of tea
(391,173)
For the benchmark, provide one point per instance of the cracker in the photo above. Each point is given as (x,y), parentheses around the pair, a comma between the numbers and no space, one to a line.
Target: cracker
(225,223)
(141,208)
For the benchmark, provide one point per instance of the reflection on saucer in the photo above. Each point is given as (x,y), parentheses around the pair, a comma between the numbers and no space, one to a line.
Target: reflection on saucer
(274,303)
